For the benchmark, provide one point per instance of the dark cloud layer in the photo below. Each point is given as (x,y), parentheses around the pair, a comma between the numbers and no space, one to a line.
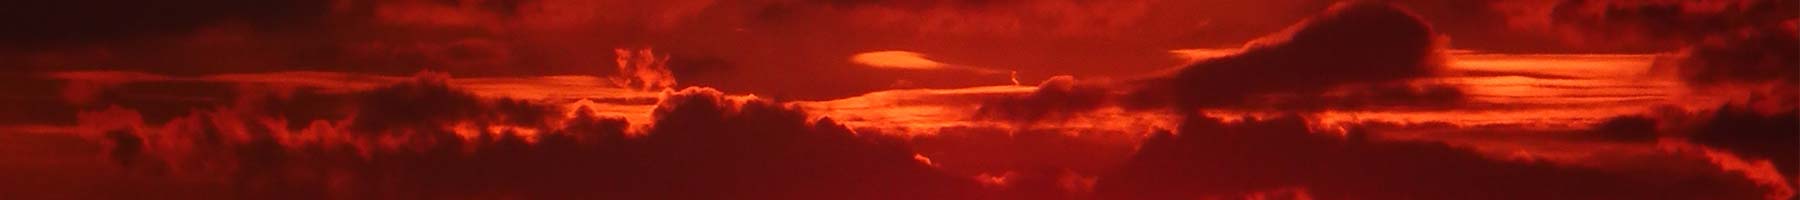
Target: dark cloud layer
(1751,57)
(1755,135)
(1208,158)
(1663,24)
(402,141)
(51,23)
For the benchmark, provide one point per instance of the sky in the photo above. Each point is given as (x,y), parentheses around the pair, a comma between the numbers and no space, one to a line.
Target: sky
(882,99)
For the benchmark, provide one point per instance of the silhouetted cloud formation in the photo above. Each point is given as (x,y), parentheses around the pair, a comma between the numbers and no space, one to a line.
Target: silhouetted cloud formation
(1355,55)
(412,140)
(1352,43)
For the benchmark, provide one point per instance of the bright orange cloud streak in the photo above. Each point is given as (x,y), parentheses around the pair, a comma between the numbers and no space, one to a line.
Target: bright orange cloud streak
(1202,54)
(912,61)
(896,59)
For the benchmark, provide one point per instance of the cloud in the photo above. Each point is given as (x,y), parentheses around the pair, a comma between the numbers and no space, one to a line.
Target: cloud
(429,103)
(1735,50)
(1208,158)
(86,87)
(644,69)
(315,104)
(173,95)
(912,61)
(1391,45)
(897,60)
(709,145)
(1663,24)
(1724,45)
(1628,128)
(426,138)
(1750,57)
(1754,135)
(1201,54)
(1303,68)
(1051,100)
(1745,133)
(708,142)
(1030,163)
(1754,68)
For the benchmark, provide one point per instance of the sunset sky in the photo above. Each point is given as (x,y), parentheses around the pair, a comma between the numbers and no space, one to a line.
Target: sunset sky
(900,99)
